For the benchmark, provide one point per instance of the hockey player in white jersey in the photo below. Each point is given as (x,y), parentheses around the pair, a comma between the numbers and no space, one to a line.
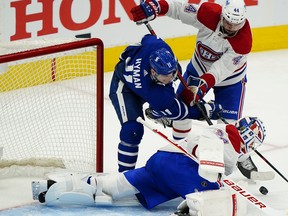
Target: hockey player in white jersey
(168,174)
(219,62)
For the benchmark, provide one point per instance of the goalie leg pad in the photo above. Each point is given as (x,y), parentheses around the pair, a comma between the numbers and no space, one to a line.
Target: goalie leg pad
(116,185)
(216,203)
(73,191)
(111,188)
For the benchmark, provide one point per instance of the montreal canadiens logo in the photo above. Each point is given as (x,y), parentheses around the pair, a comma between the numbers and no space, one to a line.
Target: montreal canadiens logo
(206,53)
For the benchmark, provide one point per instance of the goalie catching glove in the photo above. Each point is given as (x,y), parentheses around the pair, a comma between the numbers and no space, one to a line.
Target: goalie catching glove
(147,10)
(197,88)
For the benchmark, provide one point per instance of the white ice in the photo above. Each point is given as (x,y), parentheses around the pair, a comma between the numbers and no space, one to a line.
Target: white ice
(265,98)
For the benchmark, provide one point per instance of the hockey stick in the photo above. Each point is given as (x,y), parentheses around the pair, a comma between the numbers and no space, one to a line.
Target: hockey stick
(208,120)
(262,157)
(253,200)
(274,168)
(179,75)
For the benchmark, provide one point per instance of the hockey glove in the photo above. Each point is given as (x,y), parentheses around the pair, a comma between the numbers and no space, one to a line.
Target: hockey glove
(212,110)
(162,120)
(147,10)
(197,88)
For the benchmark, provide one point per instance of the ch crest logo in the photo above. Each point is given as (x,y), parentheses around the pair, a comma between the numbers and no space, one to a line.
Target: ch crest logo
(207,54)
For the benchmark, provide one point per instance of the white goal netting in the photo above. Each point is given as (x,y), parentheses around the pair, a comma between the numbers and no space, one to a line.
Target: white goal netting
(51,104)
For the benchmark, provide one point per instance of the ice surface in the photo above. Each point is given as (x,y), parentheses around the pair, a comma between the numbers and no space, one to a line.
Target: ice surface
(266,98)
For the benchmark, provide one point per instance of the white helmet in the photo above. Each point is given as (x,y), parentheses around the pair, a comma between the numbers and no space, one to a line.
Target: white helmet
(234,11)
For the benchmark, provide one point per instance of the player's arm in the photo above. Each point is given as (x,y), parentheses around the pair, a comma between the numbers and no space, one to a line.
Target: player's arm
(197,88)
(179,110)
(149,9)
(230,66)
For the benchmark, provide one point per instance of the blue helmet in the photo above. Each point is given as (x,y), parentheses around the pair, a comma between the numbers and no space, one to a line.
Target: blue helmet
(251,130)
(163,61)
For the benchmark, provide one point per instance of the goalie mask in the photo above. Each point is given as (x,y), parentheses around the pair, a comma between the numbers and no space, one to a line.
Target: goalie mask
(164,66)
(252,131)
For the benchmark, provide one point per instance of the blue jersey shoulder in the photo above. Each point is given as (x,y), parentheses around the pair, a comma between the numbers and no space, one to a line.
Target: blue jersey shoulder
(136,73)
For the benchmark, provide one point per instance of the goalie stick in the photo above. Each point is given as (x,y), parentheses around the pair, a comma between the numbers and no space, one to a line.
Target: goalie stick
(250,198)
(261,175)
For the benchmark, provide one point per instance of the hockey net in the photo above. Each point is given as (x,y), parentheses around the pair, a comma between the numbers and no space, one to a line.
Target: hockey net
(51,106)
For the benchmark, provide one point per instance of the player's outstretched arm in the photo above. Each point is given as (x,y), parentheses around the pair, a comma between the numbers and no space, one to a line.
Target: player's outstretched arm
(147,10)
(197,88)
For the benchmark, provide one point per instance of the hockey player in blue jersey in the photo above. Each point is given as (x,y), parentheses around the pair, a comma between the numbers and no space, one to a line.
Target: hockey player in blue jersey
(145,73)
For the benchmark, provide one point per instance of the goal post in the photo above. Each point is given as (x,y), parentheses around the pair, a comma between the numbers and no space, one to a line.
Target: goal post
(51,104)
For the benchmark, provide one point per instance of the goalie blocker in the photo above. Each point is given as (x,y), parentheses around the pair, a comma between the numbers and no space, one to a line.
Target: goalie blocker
(222,202)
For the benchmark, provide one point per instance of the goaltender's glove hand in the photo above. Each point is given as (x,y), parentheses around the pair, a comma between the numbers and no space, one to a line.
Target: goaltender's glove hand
(212,110)
(147,10)
(162,120)
(197,88)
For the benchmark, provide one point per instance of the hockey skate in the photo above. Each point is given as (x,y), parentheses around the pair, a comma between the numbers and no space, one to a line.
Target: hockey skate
(250,171)
(182,209)
(182,212)
(39,189)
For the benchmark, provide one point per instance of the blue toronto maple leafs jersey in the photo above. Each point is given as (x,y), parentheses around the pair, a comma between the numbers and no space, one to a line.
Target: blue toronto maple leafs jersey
(137,77)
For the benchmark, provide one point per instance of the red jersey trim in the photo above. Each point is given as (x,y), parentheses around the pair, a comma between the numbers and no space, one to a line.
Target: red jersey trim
(234,137)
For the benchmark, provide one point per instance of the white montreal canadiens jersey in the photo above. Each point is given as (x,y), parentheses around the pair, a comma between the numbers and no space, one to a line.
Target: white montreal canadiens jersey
(224,57)
(227,133)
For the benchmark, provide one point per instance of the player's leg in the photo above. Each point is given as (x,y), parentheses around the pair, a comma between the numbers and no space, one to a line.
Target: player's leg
(166,175)
(69,189)
(232,100)
(74,189)
(182,128)
(113,184)
(128,107)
